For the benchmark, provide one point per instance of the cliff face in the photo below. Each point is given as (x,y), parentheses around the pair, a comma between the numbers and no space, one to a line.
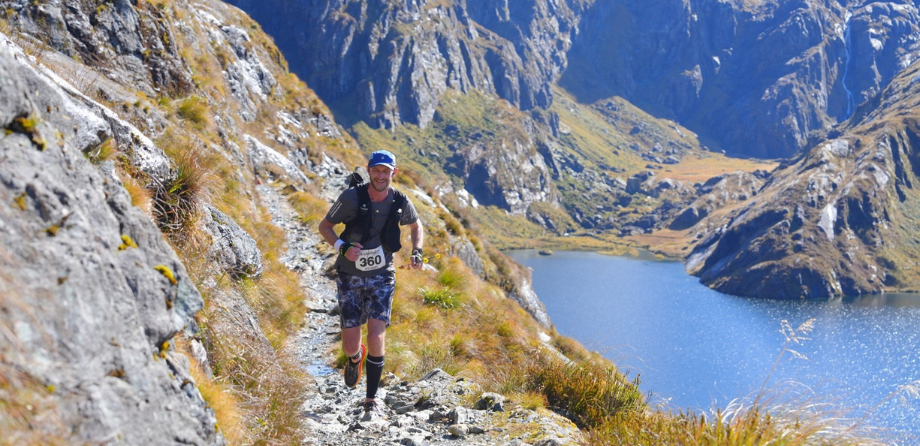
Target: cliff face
(838,221)
(131,44)
(106,337)
(92,293)
(389,63)
(765,80)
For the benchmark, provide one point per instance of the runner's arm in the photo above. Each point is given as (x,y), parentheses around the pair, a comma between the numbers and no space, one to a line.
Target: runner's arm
(327,230)
(417,235)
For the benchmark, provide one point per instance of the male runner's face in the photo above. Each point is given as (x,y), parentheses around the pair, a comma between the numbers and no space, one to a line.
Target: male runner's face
(381,177)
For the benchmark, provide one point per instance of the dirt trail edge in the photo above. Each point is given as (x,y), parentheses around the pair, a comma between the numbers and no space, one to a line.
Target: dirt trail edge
(430,411)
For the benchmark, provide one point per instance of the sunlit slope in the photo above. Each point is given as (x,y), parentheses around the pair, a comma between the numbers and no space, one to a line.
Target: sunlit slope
(838,221)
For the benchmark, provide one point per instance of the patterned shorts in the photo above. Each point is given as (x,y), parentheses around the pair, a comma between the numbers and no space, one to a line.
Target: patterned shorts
(363,298)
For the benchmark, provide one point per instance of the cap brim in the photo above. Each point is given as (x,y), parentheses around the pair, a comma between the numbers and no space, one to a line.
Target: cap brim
(391,166)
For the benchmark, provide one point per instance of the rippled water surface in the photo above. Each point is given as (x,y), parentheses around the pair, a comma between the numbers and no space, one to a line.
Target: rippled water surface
(696,348)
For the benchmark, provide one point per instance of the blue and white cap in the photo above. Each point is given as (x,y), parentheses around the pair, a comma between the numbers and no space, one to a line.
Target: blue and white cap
(382,158)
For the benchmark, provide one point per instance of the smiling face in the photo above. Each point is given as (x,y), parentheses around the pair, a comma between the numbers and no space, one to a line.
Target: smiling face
(381,176)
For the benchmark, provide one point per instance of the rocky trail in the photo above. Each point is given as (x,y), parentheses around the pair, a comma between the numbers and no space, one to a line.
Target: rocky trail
(430,411)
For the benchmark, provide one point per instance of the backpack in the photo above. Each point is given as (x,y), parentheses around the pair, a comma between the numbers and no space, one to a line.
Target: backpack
(390,234)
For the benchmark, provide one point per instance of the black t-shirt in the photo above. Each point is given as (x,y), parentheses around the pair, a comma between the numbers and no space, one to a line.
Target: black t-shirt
(374,258)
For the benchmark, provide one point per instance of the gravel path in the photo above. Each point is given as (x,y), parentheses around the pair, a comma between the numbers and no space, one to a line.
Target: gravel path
(426,412)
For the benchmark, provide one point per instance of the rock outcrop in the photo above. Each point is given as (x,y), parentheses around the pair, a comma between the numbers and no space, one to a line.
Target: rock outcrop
(765,79)
(92,294)
(768,79)
(838,221)
(232,248)
(134,45)
(391,62)
(719,192)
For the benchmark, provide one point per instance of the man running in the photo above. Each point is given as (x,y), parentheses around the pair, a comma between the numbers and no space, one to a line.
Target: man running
(366,274)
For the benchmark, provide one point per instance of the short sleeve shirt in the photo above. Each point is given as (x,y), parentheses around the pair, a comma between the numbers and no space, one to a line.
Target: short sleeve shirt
(345,209)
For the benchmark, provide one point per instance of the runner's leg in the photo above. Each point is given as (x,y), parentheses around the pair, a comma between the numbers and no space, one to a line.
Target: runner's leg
(376,337)
(351,341)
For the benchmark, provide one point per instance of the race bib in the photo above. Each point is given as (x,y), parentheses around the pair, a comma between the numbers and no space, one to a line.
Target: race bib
(370,259)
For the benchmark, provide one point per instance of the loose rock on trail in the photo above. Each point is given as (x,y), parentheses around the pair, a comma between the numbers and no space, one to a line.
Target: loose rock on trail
(430,411)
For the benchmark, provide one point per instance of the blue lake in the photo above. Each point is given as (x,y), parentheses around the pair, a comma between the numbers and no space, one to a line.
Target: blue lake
(699,349)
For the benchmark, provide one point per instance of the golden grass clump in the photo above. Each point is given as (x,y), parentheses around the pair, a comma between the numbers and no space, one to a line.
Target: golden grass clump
(220,397)
(269,385)
(277,298)
(258,386)
(176,202)
(105,152)
(141,196)
(588,392)
(798,425)
(194,110)
(310,209)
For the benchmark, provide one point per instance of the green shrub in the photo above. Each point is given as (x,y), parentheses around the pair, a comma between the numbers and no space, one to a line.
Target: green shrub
(441,297)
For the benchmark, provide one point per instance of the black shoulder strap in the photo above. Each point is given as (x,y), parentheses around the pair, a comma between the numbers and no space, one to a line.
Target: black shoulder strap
(364,197)
(396,209)
(390,234)
(362,221)
(364,210)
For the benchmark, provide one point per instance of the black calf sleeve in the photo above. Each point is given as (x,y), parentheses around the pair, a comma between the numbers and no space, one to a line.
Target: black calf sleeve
(374,371)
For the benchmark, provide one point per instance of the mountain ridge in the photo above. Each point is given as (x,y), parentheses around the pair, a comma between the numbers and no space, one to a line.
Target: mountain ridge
(771,80)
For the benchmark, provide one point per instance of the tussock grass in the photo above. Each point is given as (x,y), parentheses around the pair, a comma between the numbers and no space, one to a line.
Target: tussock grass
(588,392)
(105,152)
(309,208)
(257,386)
(141,196)
(268,383)
(440,297)
(785,425)
(194,110)
(176,202)
(220,397)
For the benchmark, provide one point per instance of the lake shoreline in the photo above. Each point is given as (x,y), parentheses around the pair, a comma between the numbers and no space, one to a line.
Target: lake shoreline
(697,348)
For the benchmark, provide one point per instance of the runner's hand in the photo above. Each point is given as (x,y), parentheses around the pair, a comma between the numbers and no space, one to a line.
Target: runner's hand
(353,251)
(416,258)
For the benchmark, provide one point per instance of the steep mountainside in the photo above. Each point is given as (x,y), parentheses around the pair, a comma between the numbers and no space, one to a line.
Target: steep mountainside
(647,84)
(92,295)
(838,221)
(142,299)
(389,63)
(764,79)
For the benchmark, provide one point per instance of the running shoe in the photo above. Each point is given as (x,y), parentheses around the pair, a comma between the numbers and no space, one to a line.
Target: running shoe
(353,369)
(371,411)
